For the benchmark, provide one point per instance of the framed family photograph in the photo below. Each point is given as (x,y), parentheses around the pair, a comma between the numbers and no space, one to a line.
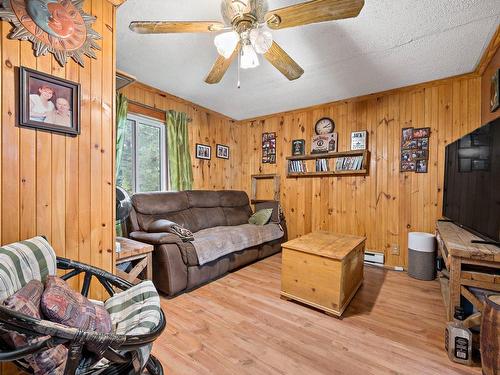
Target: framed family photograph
(222,152)
(48,103)
(203,152)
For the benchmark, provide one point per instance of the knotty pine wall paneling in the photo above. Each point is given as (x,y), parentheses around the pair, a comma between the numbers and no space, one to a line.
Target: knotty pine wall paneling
(47,180)
(55,185)
(490,70)
(386,204)
(207,127)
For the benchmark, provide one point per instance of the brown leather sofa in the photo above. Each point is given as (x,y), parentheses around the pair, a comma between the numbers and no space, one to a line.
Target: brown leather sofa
(175,262)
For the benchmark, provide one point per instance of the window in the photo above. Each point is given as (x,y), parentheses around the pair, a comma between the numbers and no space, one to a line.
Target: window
(144,161)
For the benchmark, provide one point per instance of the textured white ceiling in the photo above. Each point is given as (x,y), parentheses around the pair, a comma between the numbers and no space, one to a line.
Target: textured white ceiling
(392,43)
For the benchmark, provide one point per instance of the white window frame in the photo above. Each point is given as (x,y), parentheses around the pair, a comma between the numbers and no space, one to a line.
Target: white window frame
(163,148)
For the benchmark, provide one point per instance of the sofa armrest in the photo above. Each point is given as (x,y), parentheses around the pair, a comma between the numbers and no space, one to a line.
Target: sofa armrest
(156,238)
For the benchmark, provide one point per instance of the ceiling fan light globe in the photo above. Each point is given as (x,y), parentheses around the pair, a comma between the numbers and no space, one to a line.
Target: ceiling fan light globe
(262,40)
(249,58)
(226,43)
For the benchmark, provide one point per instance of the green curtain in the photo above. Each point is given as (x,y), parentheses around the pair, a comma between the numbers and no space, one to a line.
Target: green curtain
(179,156)
(121,120)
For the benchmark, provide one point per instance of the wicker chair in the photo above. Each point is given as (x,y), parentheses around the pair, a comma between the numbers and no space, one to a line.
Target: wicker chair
(122,353)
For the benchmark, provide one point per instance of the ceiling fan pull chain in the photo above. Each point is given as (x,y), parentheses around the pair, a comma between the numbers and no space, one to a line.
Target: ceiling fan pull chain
(239,67)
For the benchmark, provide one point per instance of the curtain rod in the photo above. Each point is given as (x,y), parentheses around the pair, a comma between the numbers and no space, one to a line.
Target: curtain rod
(152,108)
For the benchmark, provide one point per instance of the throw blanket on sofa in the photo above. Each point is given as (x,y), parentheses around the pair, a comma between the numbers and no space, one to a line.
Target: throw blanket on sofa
(213,243)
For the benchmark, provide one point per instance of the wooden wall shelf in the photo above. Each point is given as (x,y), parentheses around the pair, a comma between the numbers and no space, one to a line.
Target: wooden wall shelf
(331,155)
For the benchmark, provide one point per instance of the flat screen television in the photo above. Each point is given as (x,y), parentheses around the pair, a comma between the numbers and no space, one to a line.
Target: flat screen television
(472,182)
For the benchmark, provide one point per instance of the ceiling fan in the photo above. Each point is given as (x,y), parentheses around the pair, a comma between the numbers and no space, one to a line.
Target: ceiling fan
(246,31)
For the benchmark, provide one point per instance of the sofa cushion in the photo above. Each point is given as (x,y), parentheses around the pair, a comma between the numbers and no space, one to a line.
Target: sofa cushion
(63,305)
(203,198)
(233,198)
(209,217)
(160,202)
(213,243)
(237,215)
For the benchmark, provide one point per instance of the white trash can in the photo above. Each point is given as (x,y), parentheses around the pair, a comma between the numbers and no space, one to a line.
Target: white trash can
(422,256)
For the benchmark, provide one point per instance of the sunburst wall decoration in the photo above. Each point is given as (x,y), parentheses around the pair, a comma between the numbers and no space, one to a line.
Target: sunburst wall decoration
(60,27)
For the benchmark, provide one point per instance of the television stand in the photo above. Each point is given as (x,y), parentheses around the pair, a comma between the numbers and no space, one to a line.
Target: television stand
(469,262)
(485,242)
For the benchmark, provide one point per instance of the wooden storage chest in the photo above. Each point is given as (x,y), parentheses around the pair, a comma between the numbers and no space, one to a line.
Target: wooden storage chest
(323,270)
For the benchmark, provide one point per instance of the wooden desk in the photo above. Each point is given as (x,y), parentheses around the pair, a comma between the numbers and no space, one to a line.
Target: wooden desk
(135,251)
(323,270)
(468,265)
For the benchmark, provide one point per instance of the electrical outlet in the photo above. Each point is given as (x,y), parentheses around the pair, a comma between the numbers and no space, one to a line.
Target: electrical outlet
(395,249)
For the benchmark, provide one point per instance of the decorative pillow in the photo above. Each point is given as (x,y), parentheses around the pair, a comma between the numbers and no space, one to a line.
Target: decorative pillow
(27,301)
(160,226)
(63,305)
(277,215)
(261,217)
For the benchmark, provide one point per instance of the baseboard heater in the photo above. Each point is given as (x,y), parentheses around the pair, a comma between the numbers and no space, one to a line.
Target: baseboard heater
(377,259)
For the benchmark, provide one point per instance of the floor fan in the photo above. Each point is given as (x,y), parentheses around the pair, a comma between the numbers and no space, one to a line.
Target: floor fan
(123,208)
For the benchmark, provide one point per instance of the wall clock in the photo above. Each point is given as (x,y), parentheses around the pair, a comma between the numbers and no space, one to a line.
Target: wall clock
(324,126)
(60,27)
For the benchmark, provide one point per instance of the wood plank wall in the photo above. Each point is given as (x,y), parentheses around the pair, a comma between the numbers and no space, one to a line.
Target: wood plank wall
(486,76)
(206,127)
(55,185)
(387,204)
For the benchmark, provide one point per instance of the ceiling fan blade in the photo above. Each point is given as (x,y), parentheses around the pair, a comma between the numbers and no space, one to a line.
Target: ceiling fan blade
(283,62)
(166,27)
(313,12)
(221,66)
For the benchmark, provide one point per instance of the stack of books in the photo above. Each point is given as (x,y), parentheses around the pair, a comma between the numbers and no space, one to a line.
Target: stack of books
(322,165)
(350,163)
(297,166)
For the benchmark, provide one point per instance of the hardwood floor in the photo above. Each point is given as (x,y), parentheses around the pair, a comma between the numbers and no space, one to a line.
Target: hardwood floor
(239,325)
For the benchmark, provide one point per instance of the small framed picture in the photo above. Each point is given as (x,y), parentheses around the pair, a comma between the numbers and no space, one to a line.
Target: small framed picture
(423,143)
(406,137)
(359,140)
(421,133)
(222,151)
(419,154)
(298,147)
(269,148)
(203,152)
(408,166)
(421,166)
(406,156)
(495,91)
(49,103)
